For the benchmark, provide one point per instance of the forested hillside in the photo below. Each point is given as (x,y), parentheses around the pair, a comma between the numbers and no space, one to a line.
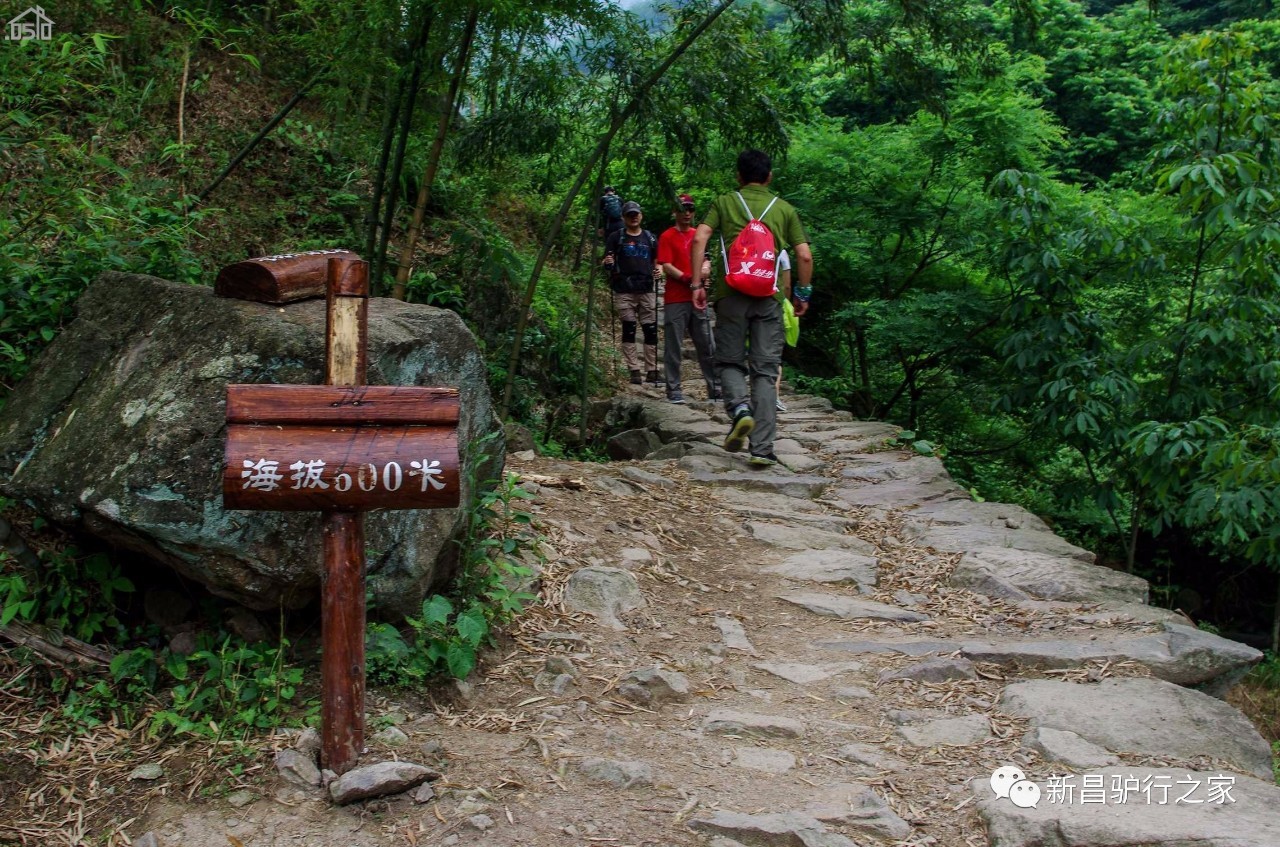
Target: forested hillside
(1045,233)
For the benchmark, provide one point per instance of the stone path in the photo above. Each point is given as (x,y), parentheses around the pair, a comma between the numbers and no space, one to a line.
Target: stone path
(836,652)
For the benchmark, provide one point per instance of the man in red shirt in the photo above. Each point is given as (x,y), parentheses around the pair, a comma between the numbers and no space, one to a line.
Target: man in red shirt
(679,314)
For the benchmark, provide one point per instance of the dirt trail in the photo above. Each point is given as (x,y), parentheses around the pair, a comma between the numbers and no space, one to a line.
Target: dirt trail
(816,731)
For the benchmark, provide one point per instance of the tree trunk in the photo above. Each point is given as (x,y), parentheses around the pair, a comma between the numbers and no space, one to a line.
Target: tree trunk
(863,367)
(639,93)
(366,92)
(433,160)
(1131,548)
(380,174)
(592,270)
(515,60)
(586,231)
(493,71)
(257,139)
(397,163)
(182,135)
(914,394)
(1275,625)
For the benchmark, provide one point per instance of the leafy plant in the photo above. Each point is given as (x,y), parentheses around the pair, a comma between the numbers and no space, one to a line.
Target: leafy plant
(70,593)
(223,689)
(448,634)
(228,688)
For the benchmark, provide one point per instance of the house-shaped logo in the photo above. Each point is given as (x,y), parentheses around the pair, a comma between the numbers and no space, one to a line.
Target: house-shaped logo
(33,24)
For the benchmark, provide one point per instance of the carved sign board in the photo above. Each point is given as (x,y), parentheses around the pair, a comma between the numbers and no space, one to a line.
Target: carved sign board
(278,279)
(340,448)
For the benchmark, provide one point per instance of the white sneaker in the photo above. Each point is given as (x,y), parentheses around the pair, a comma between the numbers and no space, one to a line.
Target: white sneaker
(782,407)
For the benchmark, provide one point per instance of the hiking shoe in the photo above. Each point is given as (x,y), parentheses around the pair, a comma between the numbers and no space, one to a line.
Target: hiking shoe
(743,423)
(653,377)
(782,407)
(765,460)
(635,378)
(675,395)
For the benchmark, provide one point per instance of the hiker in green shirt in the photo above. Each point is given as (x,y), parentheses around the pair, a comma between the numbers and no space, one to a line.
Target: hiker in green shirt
(742,317)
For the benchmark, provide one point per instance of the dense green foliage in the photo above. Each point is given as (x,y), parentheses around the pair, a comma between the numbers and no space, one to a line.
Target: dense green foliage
(489,592)
(1045,233)
(227,688)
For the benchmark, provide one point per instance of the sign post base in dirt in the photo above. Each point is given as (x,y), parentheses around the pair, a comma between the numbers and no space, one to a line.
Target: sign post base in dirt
(342,448)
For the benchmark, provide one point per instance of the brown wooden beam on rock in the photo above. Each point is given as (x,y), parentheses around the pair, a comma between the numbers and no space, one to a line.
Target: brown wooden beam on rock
(279,279)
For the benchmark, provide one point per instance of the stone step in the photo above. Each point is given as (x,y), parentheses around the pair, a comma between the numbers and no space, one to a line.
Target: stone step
(801,464)
(1149,814)
(1013,574)
(789,829)
(1148,717)
(800,486)
(730,722)
(793,538)
(903,646)
(963,539)
(802,674)
(848,608)
(833,524)
(899,494)
(1180,654)
(832,566)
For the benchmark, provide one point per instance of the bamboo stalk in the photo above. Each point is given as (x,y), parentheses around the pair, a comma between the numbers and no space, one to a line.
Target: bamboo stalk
(460,68)
(397,163)
(380,173)
(257,139)
(593,270)
(640,92)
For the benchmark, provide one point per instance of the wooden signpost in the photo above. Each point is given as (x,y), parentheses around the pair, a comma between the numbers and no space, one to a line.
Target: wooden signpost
(342,448)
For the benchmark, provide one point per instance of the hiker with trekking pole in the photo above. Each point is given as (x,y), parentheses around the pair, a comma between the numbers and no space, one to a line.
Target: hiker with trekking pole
(679,315)
(629,255)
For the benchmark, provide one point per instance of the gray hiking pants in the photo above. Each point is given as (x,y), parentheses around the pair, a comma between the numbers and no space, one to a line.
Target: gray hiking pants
(678,319)
(756,320)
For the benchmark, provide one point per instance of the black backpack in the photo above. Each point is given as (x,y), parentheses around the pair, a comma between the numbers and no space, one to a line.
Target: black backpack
(621,281)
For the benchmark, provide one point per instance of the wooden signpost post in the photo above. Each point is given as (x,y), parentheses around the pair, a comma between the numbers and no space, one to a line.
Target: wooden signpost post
(342,448)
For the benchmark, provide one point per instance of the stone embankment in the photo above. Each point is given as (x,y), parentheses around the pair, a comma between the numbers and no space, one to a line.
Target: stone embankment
(838,651)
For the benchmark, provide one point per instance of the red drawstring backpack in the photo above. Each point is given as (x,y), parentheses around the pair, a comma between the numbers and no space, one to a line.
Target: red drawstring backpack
(751,261)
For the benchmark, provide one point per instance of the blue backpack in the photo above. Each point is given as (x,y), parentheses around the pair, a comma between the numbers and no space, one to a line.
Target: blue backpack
(612,205)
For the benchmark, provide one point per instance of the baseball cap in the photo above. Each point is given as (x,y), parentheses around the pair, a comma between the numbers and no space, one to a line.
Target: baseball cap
(686,200)
(630,206)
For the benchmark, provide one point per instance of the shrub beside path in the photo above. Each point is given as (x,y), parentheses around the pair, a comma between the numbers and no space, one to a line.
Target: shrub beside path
(837,651)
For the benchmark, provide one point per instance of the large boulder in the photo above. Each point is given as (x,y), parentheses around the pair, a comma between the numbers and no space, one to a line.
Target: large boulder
(118,431)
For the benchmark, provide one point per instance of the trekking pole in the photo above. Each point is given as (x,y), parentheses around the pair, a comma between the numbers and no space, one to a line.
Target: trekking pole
(659,314)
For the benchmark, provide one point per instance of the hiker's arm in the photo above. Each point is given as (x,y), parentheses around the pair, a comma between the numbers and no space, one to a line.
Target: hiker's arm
(803,266)
(610,245)
(697,253)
